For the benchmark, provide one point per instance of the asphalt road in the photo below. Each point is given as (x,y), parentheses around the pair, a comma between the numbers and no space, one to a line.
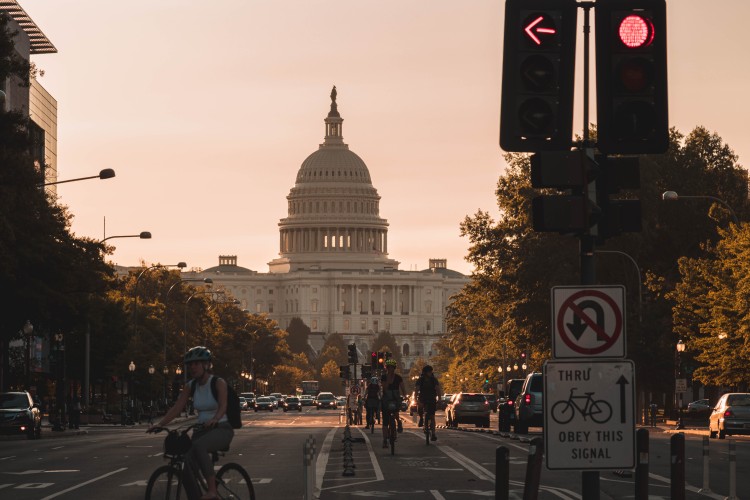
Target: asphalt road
(115,462)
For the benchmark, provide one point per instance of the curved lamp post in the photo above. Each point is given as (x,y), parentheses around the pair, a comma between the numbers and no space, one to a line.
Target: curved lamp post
(199,292)
(207,281)
(680,347)
(144,235)
(106,173)
(673,196)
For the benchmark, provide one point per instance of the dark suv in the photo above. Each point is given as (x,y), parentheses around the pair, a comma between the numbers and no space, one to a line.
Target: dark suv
(19,414)
(506,414)
(528,407)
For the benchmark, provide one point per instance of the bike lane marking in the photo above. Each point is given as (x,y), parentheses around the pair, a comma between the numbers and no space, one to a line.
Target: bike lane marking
(84,483)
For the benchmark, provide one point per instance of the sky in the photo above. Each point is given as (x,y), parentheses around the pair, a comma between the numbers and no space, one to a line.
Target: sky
(206,110)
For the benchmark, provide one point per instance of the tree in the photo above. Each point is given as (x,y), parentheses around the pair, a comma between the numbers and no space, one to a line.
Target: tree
(298,336)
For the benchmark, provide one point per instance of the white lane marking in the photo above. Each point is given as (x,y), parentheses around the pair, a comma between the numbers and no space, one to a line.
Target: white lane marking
(437,495)
(688,487)
(58,448)
(84,483)
(467,463)
(322,460)
(6,458)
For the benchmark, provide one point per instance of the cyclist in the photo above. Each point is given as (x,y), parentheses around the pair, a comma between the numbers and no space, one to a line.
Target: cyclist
(428,390)
(393,390)
(372,401)
(216,433)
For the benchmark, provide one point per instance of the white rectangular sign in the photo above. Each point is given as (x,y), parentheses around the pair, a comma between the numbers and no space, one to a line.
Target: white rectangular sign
(589,414)
(588,322)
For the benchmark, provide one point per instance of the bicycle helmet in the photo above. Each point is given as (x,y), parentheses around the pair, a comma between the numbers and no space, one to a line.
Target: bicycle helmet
(374,380)
(390,362)
(198,353)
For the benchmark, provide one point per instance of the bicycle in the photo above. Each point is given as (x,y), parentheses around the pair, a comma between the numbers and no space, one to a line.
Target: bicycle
(391,407)
(428,418)
(371,409)
(232,480)
(599,410)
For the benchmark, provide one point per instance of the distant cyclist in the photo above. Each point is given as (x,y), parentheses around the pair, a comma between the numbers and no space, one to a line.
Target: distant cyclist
(216,433)
(393,390)
(372,402)
(428,390)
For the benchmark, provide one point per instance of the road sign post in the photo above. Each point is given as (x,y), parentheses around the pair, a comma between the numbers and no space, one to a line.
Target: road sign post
(589,414)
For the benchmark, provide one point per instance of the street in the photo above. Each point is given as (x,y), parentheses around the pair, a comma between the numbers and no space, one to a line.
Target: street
(115,462)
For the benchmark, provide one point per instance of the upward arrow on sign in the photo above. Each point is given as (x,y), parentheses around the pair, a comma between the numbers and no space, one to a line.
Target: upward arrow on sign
(622,382)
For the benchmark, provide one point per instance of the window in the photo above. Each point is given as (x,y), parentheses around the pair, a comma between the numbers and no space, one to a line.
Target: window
(404,324)
(363,324)
(428,306)
(387,325)
(405,349)
(314,324)
(314,306)
(375,325)
(346,325)
(314,289)
(270,292)
(428,291)
(270,307)
(258,307)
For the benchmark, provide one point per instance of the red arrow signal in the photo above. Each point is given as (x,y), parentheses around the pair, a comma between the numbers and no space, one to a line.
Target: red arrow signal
(532,30)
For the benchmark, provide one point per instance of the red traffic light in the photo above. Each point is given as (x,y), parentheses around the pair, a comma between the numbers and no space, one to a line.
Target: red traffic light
(539,29)
(636,31)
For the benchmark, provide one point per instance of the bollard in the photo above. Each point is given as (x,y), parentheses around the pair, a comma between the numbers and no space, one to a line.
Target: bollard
(308,459)
(732,470)
(706,463)
(502,473)
(533,469)
(641,468)
(677,452)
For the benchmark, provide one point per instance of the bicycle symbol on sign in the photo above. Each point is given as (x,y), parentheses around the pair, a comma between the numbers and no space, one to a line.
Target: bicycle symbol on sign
(599,410)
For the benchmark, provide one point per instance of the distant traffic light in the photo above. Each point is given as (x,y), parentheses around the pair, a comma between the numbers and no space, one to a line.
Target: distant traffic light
(631,76)
(572,171)
(344,372)
(538,75)
(381,360)
(353,358)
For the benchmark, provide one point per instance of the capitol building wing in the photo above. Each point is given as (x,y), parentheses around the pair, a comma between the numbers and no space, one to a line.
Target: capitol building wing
(333,269)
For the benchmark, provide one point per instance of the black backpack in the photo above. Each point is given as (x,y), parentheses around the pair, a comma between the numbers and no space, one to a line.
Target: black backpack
(234,414)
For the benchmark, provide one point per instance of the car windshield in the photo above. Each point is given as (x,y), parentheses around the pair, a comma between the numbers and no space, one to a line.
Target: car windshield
(472,398)
(13,401)
(325,396)
(739,400)
(292,400)
(264,400)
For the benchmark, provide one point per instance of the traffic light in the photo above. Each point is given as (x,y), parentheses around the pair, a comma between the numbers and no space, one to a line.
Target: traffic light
(619,215)
(344,372)
(353,359)
(366,371)
(631,76)
(374,360)
(538,75)
(381,360)
(573,212)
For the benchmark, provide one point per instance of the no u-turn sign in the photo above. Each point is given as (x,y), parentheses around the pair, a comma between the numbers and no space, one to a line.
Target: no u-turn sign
(588,322)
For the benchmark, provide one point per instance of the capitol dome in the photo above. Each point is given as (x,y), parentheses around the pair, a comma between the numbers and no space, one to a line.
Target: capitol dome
(333,219)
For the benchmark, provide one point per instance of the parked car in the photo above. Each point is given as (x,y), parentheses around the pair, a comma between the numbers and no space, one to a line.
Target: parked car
(307,400)
(292,403)
(250,398)
(698,407)
(413,404)
(243,404)
(506,404)
(528,406)
(325,400)
(731,415)
(468,407)
(492,400)
(20,415)
(263,403)
(443,402)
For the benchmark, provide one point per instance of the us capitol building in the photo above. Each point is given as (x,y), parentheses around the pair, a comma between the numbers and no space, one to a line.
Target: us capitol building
(333,269)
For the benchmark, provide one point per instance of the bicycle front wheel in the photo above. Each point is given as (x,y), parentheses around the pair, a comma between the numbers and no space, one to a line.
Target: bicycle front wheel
(165,484)
(562,412)
(233,482)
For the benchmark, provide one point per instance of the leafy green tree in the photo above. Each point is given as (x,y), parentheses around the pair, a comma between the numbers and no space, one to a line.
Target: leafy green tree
(298,336)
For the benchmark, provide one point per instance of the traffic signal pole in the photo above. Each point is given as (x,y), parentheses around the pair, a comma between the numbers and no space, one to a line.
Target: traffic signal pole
(589,479)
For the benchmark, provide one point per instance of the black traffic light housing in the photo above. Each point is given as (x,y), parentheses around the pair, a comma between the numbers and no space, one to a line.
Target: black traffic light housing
(366,371)
(619,215)
(344,372)
(538,75)
(381,360)
(353,358)
(374,360)
(571,171)
(631,76)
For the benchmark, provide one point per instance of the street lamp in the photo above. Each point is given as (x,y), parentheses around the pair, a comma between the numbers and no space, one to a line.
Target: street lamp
(28,331)
(144,235)
(678,372)
(673,196)
(131,369)
(208,281)
(106,173)
(60,384)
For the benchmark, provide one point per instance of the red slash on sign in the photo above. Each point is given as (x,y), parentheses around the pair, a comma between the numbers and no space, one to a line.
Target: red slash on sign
(533,28)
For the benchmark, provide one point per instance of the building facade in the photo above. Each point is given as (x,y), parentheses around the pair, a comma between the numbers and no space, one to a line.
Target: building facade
(333,270)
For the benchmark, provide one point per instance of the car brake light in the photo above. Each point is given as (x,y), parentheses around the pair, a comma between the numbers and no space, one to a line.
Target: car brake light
(486,403)
(510,403)
(728,413)
(527,399)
